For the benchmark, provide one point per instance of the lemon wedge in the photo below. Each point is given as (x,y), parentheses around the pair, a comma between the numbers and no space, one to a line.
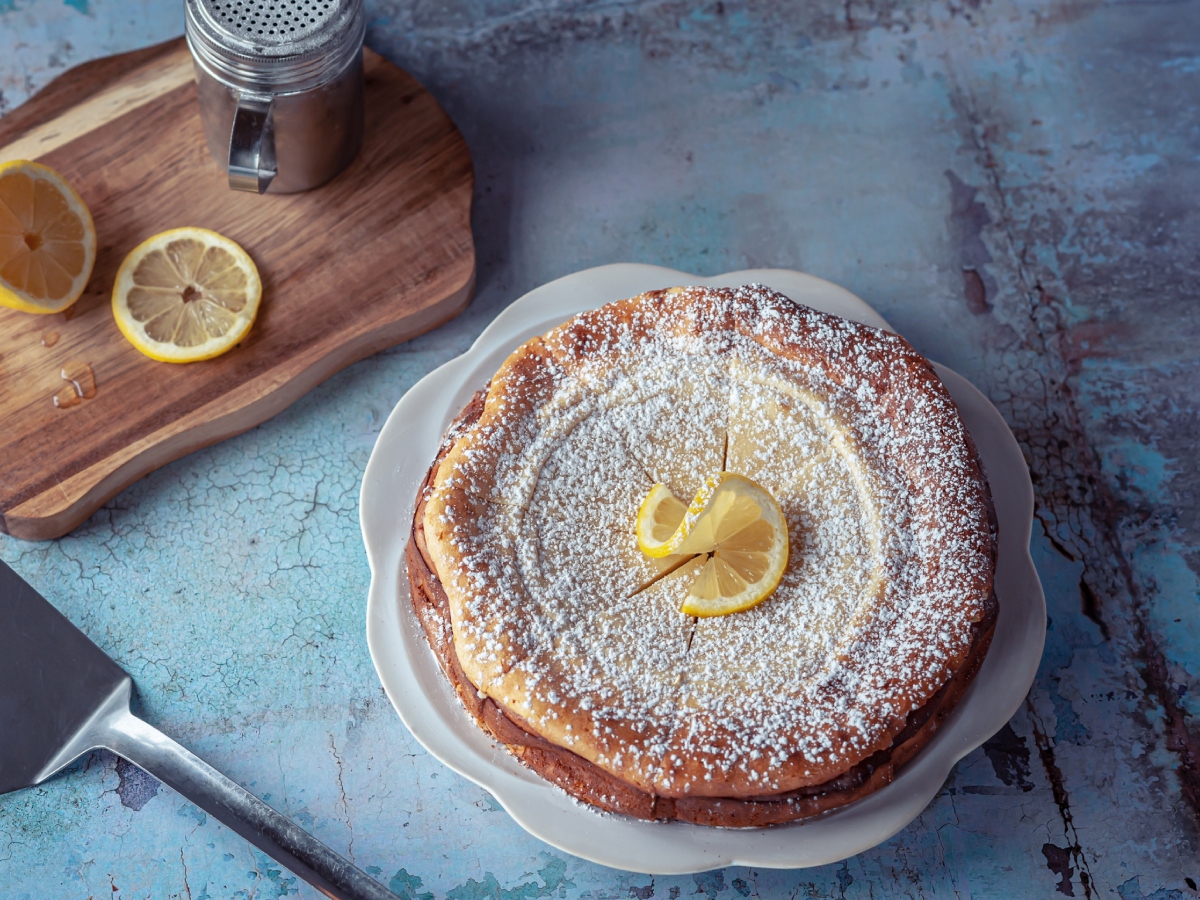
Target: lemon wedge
(658,519)
(186,294)
(733,521)
(47,239)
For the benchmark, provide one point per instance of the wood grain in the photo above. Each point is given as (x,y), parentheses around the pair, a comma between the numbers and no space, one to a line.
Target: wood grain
(76,85)
(380,254)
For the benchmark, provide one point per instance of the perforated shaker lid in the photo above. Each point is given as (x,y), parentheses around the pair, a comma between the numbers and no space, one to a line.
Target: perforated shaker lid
(274,46)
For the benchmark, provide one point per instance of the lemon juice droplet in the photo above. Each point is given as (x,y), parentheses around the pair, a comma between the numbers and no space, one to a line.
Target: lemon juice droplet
(50,338)
(81,377)
(66,397)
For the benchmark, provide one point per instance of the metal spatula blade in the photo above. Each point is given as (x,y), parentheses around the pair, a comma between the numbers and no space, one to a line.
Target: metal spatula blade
(61,695)
(52,682)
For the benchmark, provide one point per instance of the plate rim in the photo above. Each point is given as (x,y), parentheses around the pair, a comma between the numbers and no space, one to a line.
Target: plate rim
(424,701)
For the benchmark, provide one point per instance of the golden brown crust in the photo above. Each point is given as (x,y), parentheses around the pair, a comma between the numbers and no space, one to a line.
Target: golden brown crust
(592,784)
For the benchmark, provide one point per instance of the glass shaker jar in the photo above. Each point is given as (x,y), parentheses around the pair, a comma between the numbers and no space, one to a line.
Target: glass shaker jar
(280,85)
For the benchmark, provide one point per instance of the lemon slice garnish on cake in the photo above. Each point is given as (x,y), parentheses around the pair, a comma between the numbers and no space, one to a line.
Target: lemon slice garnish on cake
(186,294)
(47,239)
(658,520)
(737,524)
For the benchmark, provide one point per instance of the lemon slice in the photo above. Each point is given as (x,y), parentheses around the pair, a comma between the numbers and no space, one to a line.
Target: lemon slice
(737,524)
(658,519)
(186,294)
(47,239)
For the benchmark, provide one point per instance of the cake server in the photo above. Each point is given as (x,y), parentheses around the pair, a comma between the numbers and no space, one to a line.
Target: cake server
(61,695)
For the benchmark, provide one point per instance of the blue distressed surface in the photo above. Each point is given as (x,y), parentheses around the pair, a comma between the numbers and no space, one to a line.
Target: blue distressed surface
(1013,184)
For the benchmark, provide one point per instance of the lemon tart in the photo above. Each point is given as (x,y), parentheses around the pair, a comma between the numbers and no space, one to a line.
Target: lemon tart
(574,617)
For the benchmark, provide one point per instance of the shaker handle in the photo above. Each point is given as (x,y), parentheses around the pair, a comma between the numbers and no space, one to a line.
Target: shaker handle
(252,144)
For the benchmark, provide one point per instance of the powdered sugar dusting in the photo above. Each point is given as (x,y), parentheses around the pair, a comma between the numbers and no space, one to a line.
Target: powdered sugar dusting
(848,428)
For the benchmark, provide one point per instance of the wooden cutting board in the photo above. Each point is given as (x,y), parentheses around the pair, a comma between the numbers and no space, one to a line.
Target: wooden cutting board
(377,256)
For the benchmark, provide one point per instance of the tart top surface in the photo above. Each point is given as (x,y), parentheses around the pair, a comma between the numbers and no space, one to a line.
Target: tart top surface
(559,617)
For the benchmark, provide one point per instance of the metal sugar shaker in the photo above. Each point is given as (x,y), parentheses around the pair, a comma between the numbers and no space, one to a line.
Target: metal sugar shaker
(280,84)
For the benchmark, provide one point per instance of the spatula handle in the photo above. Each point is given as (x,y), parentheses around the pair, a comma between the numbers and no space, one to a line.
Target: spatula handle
(273,834)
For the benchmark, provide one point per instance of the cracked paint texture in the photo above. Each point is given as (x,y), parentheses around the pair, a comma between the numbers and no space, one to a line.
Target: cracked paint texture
(1012,183)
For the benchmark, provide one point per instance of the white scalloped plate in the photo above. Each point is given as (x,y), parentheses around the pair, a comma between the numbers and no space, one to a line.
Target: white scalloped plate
(427,705)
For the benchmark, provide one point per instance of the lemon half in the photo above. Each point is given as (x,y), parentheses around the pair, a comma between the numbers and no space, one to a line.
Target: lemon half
(186,294)
(733,521)
(47,239)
